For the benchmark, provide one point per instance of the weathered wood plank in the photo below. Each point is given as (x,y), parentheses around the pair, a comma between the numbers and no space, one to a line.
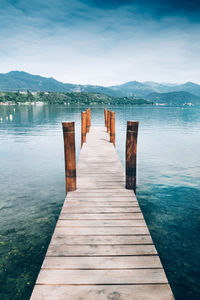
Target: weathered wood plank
(104,230)
(113,216)
(129,276)
(95,204)
(99,200)
(99,250)
(78,209)
(60,237)
(103,292)
(110,262)
(102,223)
(101,193)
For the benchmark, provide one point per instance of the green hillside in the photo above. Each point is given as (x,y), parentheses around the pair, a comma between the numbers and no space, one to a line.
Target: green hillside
(174,98)
(68,98)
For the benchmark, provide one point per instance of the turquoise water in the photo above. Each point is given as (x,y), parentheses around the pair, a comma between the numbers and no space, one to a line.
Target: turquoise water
(32,187)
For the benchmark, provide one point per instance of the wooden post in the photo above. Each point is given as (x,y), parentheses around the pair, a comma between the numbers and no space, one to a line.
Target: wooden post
(70,155)
(108,122)
(112,127)
(89,117)
(106,116)
(131,153)
(87,120)
(83,128)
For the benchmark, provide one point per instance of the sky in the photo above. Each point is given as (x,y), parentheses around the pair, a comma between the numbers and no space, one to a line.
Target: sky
(102,42)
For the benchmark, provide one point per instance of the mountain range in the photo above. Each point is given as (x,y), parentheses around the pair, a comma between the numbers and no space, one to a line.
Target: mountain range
(153,91)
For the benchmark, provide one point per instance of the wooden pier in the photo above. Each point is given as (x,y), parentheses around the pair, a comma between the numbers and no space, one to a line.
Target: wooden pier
(101,248)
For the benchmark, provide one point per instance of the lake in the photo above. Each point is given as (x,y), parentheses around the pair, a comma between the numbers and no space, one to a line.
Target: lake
(33,189)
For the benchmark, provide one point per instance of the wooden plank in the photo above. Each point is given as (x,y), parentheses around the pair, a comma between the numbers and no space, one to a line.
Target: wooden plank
(105,177)
(129,276)
(105,230)
(78,209)
(110,262)
(101,199)
(101,193)
(92,186)
(113,216)
(102,223)
(95,204)
(99,250)
(103,292)
(60,237)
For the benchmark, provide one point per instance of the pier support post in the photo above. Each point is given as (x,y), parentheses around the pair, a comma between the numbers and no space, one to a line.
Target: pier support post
(83,128)
(131,153)
(89,117)
(87,120)
(70,155)
(108,122)
(112,127)
(106,116)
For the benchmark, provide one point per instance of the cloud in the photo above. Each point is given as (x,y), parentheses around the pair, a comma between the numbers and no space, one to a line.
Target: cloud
(100,42)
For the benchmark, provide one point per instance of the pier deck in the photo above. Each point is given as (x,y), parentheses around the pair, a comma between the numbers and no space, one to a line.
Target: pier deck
(101,247)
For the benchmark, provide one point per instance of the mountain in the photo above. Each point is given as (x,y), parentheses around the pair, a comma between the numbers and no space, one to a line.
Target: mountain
(190,87)
(132,88)
(174,98)
(138,89)
(22,81)
(16,80)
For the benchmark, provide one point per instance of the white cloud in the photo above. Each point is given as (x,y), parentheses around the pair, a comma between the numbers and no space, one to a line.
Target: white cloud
(80,44)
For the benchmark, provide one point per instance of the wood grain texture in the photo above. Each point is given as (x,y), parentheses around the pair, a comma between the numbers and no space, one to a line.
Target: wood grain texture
(83,127)
(70,155)
(105,116)
(102,262)
(103,292)
(108,122)
(127,276)
(112,216)
(131,154)
(101,248)
(112,127)
(105,230)
(87,120)
(100,209)
(101,223)
(60,237)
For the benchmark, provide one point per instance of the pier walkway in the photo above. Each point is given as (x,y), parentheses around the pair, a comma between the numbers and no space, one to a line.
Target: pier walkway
(101,248)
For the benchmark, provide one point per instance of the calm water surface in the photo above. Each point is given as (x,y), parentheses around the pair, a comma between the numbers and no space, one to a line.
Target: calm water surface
(32,187)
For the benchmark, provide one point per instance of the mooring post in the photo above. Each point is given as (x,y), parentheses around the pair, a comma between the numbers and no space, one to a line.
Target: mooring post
(108,122)
(106,115)
(83,128)
(87,120)
(89,117)
(112,127)
(131,153)
(70,155)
